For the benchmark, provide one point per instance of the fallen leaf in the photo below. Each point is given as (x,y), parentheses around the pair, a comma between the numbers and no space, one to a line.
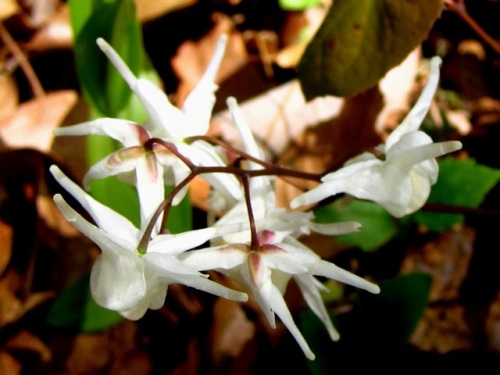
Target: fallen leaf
(10,306)
(32,125)
(192,58)
(8,364)
(151,9)
(8,8)
(9,96)
(278,116)
(41,11)
(26,341)
(444,329)
(231,330)
(447,259)
(6,233)
(56,34)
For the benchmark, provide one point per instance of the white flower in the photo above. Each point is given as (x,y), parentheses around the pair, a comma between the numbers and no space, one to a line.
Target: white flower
(166,122)
(266,270)
(401,183)
(124,277)
(263,200)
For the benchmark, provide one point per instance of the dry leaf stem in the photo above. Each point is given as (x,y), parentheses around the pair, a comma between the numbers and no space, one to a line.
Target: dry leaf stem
(33,80)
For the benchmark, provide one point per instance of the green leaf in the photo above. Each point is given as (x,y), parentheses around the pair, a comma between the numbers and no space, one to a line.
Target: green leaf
(398,308)
(377,225)
(460,183)
(295,5)
(105,89)
(75,309)
(116,22)
(360,41)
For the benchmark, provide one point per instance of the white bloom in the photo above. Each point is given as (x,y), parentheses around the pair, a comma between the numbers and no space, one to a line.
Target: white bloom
(263,199)
(401,183)
(265,272)
(124,278)
(166,122)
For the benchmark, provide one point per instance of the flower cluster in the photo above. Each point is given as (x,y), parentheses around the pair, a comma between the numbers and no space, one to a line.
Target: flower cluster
(253,241)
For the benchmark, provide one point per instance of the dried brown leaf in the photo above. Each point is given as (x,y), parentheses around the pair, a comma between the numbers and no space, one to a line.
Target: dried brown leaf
(231,330)
(192,58)
(444,329)
(492,325)
(8,364)
(447,259)
(8,8)
(56,34)
(6,233)
(26,341)
(151,9)
(10,306)
(113,351)
(191,366)
(33,123)
(42,11)
(9,96)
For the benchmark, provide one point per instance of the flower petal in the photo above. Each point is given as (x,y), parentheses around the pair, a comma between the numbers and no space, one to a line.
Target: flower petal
(122,162)
(105,241)
(335,229)
(175,244)
(214,258)
(417,114)
(331,271)
(150,189)
(281,309)
(117,281)
(199,104)
(313,299)
(107,219)
(129,134)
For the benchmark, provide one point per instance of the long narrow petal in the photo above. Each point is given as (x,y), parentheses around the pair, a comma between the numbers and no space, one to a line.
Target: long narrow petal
(249,144)
(129,134)
(117,61)
(199,104)
(316,304)
(421,153)
(417,114)
(175,244)
(170,265)
(226,184)
(117,275)
(165,120)
(103,240)
(281,309)
(320,192)
(288,263)
(150,189)
(331,271)
(215,258)
(120,162)
(107,219)
(209,286)
(335,229)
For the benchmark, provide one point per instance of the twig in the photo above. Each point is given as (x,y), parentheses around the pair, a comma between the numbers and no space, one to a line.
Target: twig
(33,80)
(458,6)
